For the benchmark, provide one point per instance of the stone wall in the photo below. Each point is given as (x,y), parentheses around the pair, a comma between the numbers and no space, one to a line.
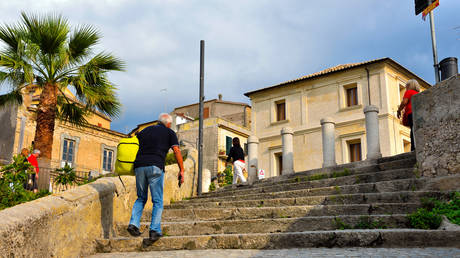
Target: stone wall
(66,224)
(437,127)
(7,128)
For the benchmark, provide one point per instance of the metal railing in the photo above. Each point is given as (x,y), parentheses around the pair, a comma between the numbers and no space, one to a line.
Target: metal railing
(47,180)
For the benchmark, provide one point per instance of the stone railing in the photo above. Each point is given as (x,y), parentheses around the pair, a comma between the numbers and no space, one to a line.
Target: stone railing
(328,140)
(66,224)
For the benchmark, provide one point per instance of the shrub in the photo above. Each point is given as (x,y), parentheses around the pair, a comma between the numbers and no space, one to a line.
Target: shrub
(425,219)
(66,176)
(430,214)
(225,177)
(212,187)
(13,177)
(171,158)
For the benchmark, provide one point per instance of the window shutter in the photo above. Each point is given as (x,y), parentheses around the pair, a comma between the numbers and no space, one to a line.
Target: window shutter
(228,144)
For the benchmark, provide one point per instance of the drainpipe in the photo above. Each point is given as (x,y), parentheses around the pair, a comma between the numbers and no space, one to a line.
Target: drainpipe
(368,86)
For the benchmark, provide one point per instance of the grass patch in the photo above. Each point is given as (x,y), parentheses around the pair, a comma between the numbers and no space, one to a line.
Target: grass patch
(366,222)
(430,215)
(339,224)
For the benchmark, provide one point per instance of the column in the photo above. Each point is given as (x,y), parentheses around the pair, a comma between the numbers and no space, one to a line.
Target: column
(328,136)
(372,132)
(253,146)
(288,150)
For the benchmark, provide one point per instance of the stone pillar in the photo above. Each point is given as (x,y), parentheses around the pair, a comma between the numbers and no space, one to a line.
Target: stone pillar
(206,181)
(372,132)
(288,150)
(328,135)
(253,146)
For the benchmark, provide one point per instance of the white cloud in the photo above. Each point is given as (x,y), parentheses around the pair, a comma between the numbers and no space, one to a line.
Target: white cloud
(249,44)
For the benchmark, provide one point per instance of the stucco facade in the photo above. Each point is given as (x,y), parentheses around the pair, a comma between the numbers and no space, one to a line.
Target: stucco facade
(216,133)
(324,94)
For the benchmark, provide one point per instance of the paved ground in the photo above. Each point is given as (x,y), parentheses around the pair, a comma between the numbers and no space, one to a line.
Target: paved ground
(315,252)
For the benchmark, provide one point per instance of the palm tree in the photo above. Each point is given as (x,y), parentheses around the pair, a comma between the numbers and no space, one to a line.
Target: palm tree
(43,51)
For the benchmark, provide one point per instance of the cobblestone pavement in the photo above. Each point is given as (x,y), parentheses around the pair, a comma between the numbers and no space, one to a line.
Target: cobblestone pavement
(285,253)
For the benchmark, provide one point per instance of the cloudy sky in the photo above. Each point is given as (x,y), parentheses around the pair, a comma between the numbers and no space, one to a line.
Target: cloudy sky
(250,44)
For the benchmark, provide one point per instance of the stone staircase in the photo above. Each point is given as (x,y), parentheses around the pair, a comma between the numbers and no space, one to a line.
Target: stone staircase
(352,205)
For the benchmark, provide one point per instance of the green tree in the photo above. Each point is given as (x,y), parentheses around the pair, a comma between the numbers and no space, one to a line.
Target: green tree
(44,51)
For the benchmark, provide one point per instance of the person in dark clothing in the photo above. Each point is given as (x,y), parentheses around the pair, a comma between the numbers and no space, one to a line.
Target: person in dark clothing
(412,88)
(237,154)
(154,143)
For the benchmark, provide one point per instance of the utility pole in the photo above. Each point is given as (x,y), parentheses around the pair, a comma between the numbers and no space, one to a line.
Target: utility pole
(200,130)
(435,52)
(427,7)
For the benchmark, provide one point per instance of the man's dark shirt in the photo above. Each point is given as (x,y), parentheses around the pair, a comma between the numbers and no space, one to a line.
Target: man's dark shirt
(236,153)
(154,143)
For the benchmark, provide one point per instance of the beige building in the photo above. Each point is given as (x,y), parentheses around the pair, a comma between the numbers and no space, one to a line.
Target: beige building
(340,92)
(87,148)
(223,120)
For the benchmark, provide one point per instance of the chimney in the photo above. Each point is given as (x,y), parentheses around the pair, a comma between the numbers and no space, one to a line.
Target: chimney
(220,96)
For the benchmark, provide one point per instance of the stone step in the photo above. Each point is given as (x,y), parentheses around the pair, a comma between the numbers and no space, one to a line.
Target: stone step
(407,163)
(306,183)
(406,155)
(300,224)
(412,184)
(210,214)
(334,238)
(359,198)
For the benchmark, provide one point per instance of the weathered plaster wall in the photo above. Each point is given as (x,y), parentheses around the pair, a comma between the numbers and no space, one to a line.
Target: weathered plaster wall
(437,128)
(8,116)
(66,224)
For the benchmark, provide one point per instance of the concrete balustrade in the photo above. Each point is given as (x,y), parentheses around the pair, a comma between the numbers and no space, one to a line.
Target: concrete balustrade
(372,132)
(253,146)
(328,136)
(288,150)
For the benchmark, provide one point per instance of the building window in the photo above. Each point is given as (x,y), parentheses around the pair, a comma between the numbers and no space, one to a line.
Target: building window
(402,90)
(107,163)
(352,96)
(68,151)
(280,110)
(354,149)
(228,144)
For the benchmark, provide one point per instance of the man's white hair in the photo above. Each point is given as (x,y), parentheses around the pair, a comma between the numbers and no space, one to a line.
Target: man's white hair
(36,151)
(413,84)
(165,118)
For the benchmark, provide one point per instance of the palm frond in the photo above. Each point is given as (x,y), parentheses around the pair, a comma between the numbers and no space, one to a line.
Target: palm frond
(107,62)
(49,31)
(71,112)
(18,70)
(81,41)
(10,36)
(14,97)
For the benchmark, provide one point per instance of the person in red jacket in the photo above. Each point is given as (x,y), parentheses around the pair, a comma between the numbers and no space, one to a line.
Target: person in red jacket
(412,88)
(33,161)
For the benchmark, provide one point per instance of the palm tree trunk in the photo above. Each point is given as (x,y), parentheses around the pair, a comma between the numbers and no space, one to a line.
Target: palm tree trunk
(46,116)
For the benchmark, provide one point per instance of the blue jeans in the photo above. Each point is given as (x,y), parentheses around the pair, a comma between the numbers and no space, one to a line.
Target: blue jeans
(148,176)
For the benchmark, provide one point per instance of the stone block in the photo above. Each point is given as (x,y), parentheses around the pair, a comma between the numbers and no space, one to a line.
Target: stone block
(436,128)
